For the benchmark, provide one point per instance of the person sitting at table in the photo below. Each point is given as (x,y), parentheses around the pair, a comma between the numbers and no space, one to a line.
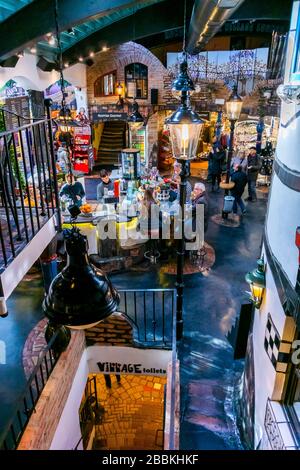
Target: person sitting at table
(175,184)
(72,191)
(149,214)
(104,186)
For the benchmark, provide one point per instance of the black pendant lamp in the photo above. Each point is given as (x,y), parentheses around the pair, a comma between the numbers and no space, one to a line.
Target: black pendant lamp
(80,296)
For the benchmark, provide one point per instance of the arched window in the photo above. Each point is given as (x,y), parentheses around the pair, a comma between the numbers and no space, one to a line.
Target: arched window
(105,85)
(136,81)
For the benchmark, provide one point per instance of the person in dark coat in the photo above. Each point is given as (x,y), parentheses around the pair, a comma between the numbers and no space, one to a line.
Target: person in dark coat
(72,191)
(216,158)
(240,180)
(252,173)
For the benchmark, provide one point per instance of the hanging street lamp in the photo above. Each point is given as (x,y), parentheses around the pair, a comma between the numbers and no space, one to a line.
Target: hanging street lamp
(80,296)
(184,127)
(257,281)
(233,110)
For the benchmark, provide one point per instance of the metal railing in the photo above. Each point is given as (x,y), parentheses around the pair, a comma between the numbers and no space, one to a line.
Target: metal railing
(25,406)
(152,311)
(28,185)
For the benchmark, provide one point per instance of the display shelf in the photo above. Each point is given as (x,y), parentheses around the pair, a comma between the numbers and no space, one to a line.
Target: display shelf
(82,150)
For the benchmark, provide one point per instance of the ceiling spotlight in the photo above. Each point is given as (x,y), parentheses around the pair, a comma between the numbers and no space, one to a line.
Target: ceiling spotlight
(66,64)
(20,54)
(80,59)
(91,54)
(104,49)
(33,50)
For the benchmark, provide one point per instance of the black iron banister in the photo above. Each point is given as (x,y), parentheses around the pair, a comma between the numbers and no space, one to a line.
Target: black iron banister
(11,436)
(152,313)
(28,184)
(27,118)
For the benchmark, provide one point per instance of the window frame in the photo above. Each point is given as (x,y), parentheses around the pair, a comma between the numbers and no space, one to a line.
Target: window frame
(135,79)
(101,77)
(295,74)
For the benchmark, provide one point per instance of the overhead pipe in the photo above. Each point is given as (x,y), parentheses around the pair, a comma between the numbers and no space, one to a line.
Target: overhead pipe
(207,18)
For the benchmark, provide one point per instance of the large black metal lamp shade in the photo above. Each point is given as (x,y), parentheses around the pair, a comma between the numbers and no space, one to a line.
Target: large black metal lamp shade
(81,295)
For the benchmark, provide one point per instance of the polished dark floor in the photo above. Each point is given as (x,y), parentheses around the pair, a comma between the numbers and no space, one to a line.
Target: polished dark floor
(209,375)
(24,311)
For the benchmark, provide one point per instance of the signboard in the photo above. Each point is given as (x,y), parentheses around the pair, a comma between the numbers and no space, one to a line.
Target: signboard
(103,116)
(126,360)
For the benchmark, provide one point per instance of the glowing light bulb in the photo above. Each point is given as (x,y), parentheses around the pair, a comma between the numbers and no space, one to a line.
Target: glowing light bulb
(185,137)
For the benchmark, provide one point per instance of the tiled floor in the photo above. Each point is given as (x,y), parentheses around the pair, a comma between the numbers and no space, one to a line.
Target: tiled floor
(133,413)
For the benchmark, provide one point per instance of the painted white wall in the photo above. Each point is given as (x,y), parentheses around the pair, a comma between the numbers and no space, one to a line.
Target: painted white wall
(15,272)
(68,430)
(283,219)
(264,371)
(29,76)
(144,359)
(287,150)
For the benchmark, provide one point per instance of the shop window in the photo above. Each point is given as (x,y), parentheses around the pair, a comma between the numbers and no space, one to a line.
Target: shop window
(296,54)
(105,85)
(136,81)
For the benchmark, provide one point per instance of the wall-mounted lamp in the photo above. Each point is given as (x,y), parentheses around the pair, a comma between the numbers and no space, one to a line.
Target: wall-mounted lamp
(257,281)
(120,102)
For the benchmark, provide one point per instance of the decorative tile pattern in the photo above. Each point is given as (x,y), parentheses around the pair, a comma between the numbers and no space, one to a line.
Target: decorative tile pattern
(33,346)
(277,350)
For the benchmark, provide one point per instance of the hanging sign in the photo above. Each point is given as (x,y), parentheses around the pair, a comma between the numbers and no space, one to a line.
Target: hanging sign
(110,116)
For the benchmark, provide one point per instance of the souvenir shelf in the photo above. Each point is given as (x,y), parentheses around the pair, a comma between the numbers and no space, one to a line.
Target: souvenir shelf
(82,150)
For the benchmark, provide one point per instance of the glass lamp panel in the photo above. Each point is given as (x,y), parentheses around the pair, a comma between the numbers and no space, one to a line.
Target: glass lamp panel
(184,139)
(257,292)
(233,109)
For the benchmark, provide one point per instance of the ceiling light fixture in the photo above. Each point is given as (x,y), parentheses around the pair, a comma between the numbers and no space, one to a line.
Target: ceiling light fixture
(91,54)
(80,59)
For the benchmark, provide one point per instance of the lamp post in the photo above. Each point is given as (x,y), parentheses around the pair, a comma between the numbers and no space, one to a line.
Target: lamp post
(184,126)
(257,281)
(233,111)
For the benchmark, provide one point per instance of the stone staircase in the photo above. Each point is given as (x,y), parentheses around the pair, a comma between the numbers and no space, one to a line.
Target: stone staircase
(113,140)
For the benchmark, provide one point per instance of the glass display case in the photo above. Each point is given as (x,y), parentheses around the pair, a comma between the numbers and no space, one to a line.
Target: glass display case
(131,163)
(138,140)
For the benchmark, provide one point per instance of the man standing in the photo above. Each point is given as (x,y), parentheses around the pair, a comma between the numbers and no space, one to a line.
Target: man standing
(252,173)
(216,158)
(240,180)
(105,185)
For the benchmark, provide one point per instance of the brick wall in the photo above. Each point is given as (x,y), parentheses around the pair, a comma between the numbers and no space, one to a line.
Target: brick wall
(114,331)
(116,59)
(42,425)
